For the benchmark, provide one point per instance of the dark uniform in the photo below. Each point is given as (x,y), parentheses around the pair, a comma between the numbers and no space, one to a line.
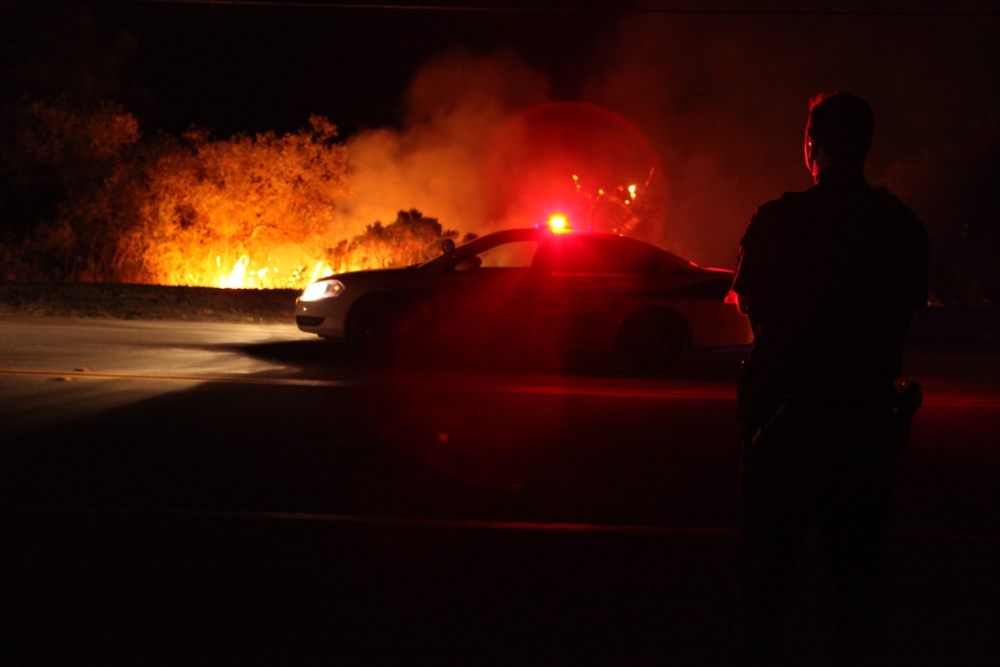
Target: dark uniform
(836,273)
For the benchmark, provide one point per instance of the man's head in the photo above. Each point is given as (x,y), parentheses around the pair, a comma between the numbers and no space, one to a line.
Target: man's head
(839,132)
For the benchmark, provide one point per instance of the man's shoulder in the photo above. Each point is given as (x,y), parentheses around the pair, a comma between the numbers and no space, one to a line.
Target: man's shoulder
(893,202)
(784,208)
(899,212)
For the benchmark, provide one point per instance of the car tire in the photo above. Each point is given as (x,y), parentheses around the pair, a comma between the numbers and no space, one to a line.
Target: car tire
(653,339)
(383,322)
(368,325)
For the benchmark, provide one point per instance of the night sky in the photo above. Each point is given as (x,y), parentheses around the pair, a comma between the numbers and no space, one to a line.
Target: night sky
(721,95)
(260,66)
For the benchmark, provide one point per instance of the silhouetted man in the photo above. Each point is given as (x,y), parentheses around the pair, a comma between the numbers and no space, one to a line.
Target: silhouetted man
(830,278)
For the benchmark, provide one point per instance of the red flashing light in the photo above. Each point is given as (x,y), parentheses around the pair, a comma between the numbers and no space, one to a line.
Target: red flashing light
(558,222)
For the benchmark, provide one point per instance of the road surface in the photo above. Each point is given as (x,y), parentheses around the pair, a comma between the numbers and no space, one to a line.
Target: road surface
(208,493)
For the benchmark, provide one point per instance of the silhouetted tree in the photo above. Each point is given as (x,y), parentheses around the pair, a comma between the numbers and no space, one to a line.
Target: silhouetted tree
(410,239)
(61,80)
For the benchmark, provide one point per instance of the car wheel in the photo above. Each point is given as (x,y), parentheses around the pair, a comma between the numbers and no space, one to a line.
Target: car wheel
(369,322)
(380,321)
(653,338)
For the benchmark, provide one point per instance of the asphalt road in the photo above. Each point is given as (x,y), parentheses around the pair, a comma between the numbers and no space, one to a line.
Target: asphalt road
(209,493)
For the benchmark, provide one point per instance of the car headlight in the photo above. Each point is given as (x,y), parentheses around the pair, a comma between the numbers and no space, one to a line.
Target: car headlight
(322,290)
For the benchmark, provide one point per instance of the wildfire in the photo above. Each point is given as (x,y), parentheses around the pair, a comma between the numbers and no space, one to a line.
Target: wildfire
(236,277)
(244,276)
(289,266)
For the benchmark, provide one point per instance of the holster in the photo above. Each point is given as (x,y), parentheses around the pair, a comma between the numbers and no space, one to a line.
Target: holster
(908,399)
(757,400)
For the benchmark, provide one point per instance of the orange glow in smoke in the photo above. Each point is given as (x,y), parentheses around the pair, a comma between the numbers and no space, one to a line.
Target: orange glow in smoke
(611,163)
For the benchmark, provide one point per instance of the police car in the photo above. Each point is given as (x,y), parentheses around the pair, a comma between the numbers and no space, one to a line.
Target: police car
(568,289)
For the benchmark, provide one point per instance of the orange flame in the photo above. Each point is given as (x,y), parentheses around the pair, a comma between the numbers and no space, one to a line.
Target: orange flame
(245,275)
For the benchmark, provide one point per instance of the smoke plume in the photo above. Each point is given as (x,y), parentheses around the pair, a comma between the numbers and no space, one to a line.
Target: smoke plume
(724,99)
(435,162)
(720,100)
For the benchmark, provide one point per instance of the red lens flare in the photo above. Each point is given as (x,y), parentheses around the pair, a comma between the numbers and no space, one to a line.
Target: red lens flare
(581,159)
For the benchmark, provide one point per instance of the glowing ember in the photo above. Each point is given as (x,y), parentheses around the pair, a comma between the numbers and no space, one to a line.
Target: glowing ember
(616,209)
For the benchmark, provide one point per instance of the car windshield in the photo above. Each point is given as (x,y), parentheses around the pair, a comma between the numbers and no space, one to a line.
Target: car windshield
(510,248)
(576,253)
(513,255)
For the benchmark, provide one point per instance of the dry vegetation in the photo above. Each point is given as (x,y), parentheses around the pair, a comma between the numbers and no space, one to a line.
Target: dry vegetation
(90,200)
(148,302)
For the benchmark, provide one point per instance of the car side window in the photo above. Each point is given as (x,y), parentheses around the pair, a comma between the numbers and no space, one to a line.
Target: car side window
(514,255)
(589,256)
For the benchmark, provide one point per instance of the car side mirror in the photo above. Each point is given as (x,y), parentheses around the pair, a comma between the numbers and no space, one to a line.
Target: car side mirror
(447,246)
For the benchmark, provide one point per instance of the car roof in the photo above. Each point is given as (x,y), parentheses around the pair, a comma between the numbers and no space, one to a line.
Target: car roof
(540,234)
(543,234)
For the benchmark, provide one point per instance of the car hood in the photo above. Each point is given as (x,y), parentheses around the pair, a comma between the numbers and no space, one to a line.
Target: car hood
(373,276)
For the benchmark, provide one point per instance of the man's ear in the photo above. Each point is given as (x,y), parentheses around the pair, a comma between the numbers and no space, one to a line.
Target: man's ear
(809,150)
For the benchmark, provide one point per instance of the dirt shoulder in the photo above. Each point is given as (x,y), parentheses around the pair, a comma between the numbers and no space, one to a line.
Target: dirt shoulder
(151,302)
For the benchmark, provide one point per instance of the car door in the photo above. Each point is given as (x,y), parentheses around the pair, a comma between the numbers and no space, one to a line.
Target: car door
(583,287)
(482,298)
